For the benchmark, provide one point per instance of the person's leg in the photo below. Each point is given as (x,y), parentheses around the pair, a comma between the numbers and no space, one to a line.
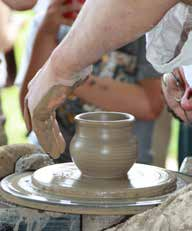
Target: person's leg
(161,138)
(184,144)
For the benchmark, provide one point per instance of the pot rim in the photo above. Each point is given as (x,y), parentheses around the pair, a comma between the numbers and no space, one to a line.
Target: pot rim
(128,118)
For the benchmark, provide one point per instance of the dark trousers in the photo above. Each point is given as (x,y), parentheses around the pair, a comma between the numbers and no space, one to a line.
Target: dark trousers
(185,142)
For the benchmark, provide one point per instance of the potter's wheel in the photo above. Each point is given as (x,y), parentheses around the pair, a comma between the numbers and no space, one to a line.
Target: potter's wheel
(61,188)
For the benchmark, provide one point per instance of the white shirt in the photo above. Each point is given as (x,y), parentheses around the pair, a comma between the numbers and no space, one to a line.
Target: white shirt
(3,70)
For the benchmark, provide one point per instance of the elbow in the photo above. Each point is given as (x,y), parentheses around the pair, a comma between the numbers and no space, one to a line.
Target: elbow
(154,111)
(153,114)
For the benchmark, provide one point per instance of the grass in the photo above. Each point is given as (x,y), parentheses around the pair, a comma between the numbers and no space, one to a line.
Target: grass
(173,146)
(15,127)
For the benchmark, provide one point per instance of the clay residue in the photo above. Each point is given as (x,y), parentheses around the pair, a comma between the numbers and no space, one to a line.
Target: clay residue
(9,154)
(18,218)
(172,215)
(32,162)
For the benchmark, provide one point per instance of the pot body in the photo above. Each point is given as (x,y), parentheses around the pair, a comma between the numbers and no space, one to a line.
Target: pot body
(104,145)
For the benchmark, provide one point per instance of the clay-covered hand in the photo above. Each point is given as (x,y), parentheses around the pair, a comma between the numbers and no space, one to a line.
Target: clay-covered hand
(45,93)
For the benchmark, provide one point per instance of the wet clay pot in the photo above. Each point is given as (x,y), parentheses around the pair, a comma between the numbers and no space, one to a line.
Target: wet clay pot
(104,145)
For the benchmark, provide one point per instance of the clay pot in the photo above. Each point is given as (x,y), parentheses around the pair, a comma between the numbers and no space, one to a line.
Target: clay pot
(104,145)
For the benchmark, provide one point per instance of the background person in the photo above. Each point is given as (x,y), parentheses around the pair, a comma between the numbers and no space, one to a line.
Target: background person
(93,51)
(177,90)
(83,39)
(9,27)
(124,71)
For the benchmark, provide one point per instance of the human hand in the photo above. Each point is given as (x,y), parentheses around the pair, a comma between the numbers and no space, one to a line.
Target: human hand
(60,12)
(46,92)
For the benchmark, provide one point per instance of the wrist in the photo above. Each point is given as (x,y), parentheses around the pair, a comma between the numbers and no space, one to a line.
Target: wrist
(59,66)
(63,74)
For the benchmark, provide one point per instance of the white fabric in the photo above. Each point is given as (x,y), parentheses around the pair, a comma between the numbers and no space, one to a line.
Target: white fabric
(40,10)
(169,44)
(41,5)
(188,74)
(3,70)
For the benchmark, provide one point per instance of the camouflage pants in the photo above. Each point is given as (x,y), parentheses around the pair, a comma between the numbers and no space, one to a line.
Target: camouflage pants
(3,137)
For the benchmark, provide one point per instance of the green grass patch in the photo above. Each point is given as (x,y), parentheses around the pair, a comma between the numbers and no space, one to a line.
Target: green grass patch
(173,146)
(15,126)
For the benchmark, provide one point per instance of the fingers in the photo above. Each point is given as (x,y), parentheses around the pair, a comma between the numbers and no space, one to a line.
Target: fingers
(49,136)
(51,101)
(44,123)
(60,142)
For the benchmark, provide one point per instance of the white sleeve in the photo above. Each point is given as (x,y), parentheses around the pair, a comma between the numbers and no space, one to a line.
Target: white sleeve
(169,44)
(34,26)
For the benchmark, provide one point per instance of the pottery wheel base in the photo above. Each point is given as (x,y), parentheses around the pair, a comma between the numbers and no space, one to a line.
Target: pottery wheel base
(62,188)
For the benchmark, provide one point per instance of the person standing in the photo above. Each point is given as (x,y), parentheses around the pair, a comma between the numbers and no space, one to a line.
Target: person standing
(8,32)
(124,71)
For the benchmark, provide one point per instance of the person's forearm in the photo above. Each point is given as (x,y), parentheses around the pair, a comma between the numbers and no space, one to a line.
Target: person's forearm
(43,46)
(103,26)
(112,95)
(20,4)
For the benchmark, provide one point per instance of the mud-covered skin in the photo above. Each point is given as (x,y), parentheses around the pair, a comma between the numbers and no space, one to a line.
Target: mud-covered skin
(9,154)
(42,105)
(32,162)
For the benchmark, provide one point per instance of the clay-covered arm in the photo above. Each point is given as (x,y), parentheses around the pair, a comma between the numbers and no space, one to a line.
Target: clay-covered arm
(113,95)
(103,26)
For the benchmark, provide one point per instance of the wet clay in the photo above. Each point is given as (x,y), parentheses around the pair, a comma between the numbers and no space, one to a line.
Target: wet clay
(67,191)
(186,166)
(174,214)
(9,154)
(32,162)
(104,145)
(41,103)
